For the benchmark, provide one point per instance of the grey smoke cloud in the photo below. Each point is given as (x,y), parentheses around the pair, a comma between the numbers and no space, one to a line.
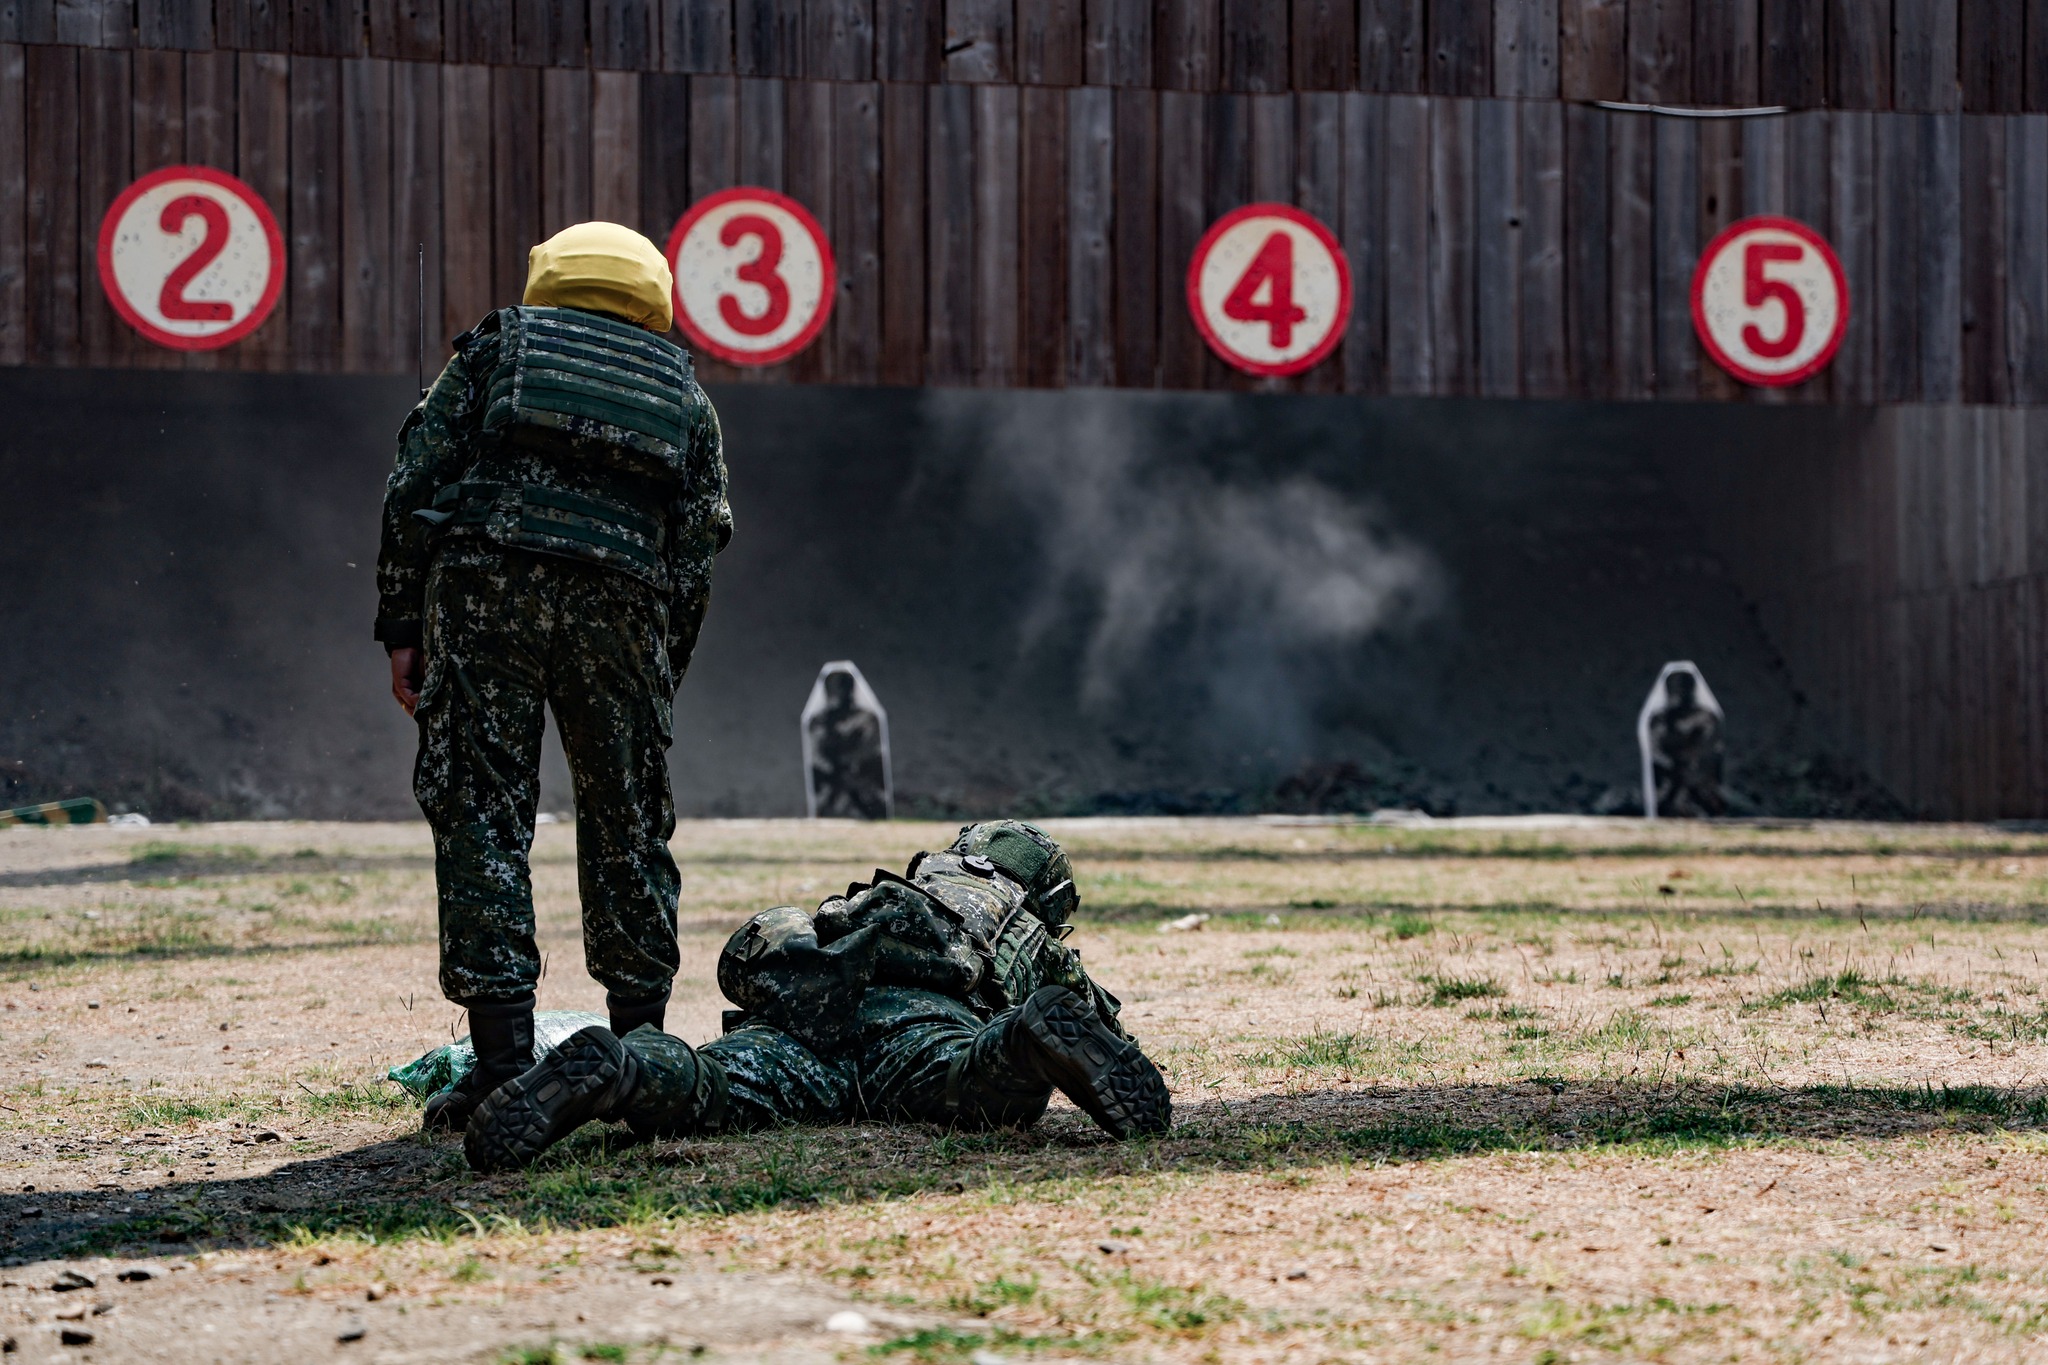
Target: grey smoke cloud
(1256,584)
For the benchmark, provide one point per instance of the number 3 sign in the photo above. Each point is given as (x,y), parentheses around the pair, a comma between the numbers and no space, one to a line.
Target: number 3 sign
(1269,289)
(754,275)
(1769,301)
(191,258)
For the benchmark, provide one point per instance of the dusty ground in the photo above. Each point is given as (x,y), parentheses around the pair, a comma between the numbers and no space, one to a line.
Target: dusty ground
(1566,1090)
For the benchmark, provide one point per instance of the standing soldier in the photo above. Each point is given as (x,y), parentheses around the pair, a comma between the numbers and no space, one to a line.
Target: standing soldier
(548,536)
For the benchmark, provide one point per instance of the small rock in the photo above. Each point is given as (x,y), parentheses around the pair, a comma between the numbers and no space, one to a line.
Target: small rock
(71,1280)
(100,1310)
(136,1274)
(848,1322)
(1272,919)
(97,1064)
(8,1346)
(75,1313)
(1183,924)
(663,1280)
(92,1004)
(352,1329)
(75,1336)
(31,1213)
(1112,1248)
(1297,1274)
(377,1290)
(988,1358)
(268,1136)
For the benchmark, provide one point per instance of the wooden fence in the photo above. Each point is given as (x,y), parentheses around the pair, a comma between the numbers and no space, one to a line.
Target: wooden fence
(1030,235)
(1988,56)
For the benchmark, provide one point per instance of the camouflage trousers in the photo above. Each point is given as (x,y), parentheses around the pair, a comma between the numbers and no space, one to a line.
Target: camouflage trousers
(921,1058)
(508,633)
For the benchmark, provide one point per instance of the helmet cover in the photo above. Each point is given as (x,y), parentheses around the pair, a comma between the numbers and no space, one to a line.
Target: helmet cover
(605,268)
(1030,857)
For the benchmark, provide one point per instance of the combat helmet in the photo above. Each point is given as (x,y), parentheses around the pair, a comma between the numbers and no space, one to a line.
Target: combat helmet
(1030,857)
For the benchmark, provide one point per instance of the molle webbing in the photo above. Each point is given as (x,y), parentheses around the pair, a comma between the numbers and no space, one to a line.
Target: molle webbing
(581,375)
(535,511)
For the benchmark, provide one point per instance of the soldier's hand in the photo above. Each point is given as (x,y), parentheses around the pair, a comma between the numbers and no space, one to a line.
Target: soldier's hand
(408,671)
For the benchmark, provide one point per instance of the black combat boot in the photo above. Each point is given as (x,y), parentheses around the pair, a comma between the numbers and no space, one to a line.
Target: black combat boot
(590,1076)
(628,1015)
(1057,1037)
(501,1033)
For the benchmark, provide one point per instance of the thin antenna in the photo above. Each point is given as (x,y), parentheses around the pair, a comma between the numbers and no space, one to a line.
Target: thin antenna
(419,355)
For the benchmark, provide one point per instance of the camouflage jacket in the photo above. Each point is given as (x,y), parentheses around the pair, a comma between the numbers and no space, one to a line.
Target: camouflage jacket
(440,444)
(955,926)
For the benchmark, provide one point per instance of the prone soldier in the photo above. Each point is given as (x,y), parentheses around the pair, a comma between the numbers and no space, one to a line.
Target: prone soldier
(549,529)
(945,995)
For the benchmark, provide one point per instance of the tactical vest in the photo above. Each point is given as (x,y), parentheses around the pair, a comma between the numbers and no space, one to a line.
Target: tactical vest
(563,377)
(994,914)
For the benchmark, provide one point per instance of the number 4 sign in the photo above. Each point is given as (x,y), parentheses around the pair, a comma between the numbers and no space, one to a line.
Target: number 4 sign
(754,275)
(191,258)
(1269,289)
(1769,301)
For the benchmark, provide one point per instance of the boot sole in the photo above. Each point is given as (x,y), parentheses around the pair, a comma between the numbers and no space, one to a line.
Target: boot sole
(1109,1077)
(533,1111)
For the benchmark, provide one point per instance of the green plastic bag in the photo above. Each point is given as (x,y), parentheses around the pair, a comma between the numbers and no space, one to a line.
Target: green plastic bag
(449,1063)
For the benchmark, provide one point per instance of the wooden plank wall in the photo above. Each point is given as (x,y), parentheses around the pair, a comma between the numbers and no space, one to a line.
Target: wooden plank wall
(1901,565)
(1933,56)
(1028,236)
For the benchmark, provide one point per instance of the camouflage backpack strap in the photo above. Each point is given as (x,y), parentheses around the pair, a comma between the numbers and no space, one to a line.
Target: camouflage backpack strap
(1016,966)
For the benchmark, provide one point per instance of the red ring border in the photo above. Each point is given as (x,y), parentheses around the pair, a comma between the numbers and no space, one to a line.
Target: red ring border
(1330,243)
(827,297)
(126,311)
(1699,312)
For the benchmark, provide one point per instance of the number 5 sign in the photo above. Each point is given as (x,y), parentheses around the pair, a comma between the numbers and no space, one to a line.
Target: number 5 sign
(1769,301)
(191,258)
(754,275)
(1269,289)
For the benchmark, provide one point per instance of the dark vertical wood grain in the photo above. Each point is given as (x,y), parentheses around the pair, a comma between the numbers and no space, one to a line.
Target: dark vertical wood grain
(1275,177)
(1853,231)
(1391,46)
(1632,274)
(158,111)
(2026,317)
(417,247)
(857,230)
(1721,191)
(1938,195)
(1991,54)
(996,315)
(1042,230)
(664,165)
(1051,39)
(1185,37)
(839,39)
(406,30)
(1677,190)
(1659,51)
(1183,217)
(1255,47)
(565,163)
(981,40)
(1592,53)
(515,178)
(546,33)
(1226,178)
(1135,245)
(625,35)
(1460,47)
(1724,52)
(327,28)
(314,236)
(177,24)
(2034,98)
(1588,321)
(1859,54)
(368,258)
(210,109)
(1361,226)
(1545,357)
(106,165)
(1986,369)
(467,291)
(903,228)
(1525,49)
(1924,75)
(1324,36)
(1117,42)
(768,37)
(14,148)
(1411,362)
(263,159)
(1497,218)
(810,161)
(714,136)
(1452,207)
(1794,53)
(1091,222)
(950,321)
(1318,190)
(250,25)
(615,147)
(764,142)
(909,38)
(1898,260)
(696,36)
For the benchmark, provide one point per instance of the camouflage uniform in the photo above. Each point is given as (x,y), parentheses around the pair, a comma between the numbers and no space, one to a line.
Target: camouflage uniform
(904,1000)
(565,567)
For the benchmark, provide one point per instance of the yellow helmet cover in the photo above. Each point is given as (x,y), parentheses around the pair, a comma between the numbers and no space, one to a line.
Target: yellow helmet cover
(603,267)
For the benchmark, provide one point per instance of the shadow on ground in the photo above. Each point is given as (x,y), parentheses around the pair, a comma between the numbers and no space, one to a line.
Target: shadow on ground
(412,1186)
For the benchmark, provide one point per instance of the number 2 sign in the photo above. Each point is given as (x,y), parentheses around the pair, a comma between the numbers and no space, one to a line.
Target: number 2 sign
(1269,289)
(1769,301)
(191,258)
(754,275)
